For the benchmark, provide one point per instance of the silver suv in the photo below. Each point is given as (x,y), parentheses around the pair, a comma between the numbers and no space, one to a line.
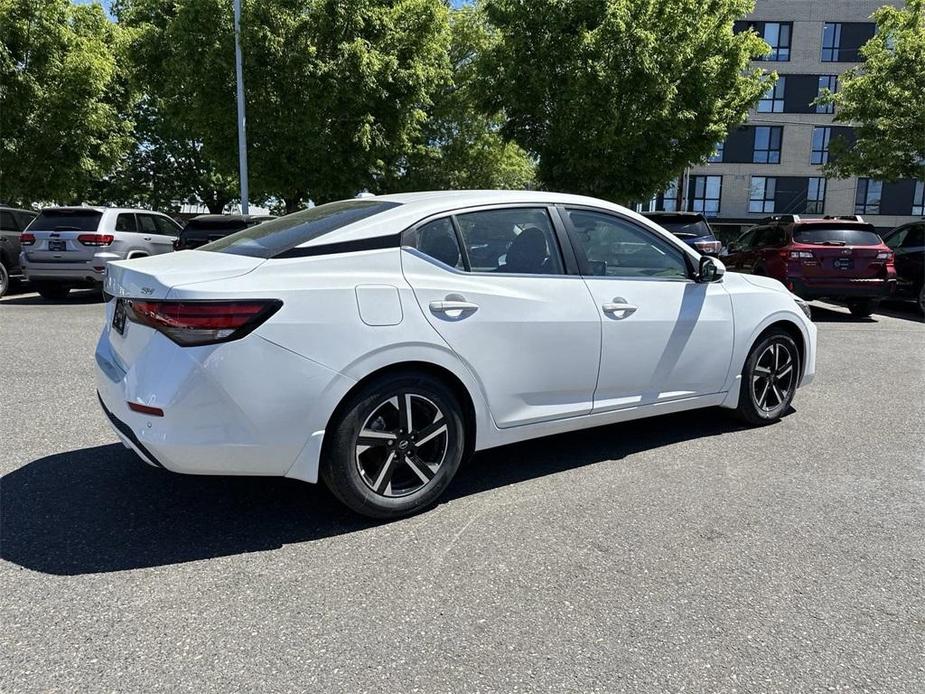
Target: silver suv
(66,247)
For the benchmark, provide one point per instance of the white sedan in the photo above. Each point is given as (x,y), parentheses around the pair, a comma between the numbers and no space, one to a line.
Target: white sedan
(377,342)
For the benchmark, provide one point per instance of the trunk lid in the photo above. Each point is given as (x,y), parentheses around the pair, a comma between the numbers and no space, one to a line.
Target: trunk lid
(153,278)
(848,262)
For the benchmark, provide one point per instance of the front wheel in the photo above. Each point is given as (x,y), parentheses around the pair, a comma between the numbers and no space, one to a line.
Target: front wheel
(395,446)
(4,279)
(861,309)
(769,379)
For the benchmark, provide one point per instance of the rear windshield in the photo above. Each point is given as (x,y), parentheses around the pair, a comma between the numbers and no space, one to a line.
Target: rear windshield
(685,228)
(203,227)
(66,220)
(836,236)
(277,235)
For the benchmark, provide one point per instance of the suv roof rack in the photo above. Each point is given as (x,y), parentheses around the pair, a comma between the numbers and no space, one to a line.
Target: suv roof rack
(781,219)
(846,217)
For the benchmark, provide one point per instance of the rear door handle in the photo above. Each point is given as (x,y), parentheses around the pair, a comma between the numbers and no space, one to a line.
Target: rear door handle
(447,306)
(619,306)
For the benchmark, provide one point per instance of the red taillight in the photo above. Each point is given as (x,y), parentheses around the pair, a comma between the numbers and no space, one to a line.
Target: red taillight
(26,239)
(191,323)
(95,239)
(708,246)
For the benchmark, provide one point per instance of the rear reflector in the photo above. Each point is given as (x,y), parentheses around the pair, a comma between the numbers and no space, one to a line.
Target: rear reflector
(190,323)
(26,239)
(95,239)
(146,409)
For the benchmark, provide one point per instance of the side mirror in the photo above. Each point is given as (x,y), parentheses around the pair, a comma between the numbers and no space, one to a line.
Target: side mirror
(711,269)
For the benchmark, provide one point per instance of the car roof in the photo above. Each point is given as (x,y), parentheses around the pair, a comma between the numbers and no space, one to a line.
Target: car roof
(230,217)
(17,209)
(412,208)
(102,208)
(673,215)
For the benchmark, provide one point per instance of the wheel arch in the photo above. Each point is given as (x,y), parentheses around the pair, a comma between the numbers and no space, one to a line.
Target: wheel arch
(136,254)
(793,330)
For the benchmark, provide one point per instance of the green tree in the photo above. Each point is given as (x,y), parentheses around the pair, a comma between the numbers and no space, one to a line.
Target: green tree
(885,98)
(461,146)
(616,97)
(62,99)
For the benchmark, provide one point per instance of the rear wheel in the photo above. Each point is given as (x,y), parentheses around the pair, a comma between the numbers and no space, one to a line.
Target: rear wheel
(922,298)
(52,290)
(4,279)
(769,379)
(395,446)
(861,309)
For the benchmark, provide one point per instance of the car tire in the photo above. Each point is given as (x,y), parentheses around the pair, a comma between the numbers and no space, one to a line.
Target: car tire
(922,298)
(769,379)
(378,465)
(4,279)
(861,309)
(52,290)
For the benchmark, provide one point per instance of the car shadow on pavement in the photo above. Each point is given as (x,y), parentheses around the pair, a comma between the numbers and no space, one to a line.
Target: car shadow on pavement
(893,309)
(102,509)
(76,297)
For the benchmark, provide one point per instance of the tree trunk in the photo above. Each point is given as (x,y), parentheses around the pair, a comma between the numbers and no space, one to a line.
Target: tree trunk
(293,203)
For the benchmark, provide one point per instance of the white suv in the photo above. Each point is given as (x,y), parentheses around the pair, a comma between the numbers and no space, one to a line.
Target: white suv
(66,247)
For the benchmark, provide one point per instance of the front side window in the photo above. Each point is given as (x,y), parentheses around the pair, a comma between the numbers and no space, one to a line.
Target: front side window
(166,226)
(614,247)
(767,145)
(815,195)
(867,198)
(777,35)
(437,239)
(278,236)
(705,193)
(773,100)
(512,241)
(918,199)
(826,83)
(761,195)
(820,152)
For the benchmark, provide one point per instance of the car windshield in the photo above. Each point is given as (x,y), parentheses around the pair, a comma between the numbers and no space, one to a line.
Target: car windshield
(836,236)
(278,235)
(685,227)
(67,220)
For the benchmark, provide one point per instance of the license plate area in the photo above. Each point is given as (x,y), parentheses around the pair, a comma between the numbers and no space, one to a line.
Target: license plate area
(57,245)
(843,263)
(118,317)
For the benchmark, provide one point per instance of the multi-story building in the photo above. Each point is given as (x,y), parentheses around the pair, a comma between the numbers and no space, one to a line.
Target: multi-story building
(773,163)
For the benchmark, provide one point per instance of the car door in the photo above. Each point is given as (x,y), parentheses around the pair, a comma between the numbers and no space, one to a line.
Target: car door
(908,246)
(154,241)
(168,229)
(740,249)
(494,286)
(665,337)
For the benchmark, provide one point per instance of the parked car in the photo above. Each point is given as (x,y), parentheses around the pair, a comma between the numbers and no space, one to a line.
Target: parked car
(67,247)
(210,227)
(359,343)
(691,227)
(908,244)
(839,258)
(12,222)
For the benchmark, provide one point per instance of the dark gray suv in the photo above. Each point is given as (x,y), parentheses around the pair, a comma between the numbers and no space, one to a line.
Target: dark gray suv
(12,224)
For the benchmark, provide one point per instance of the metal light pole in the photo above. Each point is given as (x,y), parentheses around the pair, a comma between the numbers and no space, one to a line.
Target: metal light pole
(242,134)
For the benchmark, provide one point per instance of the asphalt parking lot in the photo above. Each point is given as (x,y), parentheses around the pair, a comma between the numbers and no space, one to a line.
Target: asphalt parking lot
(683,553)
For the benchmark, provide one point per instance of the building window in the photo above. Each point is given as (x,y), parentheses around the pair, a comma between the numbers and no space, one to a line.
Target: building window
(767,145)
(705,192)
(821,137)
(717,156)
(842,41)
(867,200)
(761,197)
(830,83)
(777,35)
(918,199)
(773,100)
(815,195)
(663,202)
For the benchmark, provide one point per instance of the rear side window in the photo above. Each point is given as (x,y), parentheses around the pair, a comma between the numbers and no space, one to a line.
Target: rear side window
(437,239)
(836,236)
(126,222)
(146,224)
(8,221)
(513,241)
(67,220)
(24,218)
(276,236)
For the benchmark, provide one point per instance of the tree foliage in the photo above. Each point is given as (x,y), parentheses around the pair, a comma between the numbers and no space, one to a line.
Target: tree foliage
(616,97)
(62,99)
(461,146)
(885,99)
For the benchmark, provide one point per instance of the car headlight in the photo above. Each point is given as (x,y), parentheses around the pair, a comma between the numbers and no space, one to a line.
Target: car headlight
(803,306)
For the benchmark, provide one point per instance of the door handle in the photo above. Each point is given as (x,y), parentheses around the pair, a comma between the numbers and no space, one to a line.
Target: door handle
(147,238)
(619,305)
(447,306)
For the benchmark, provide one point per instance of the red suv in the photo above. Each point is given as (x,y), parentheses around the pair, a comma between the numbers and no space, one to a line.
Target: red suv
(839,258)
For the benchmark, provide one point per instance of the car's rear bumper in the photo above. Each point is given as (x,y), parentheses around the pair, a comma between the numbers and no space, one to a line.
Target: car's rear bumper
(246,407)
(842,288)
(89,271)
